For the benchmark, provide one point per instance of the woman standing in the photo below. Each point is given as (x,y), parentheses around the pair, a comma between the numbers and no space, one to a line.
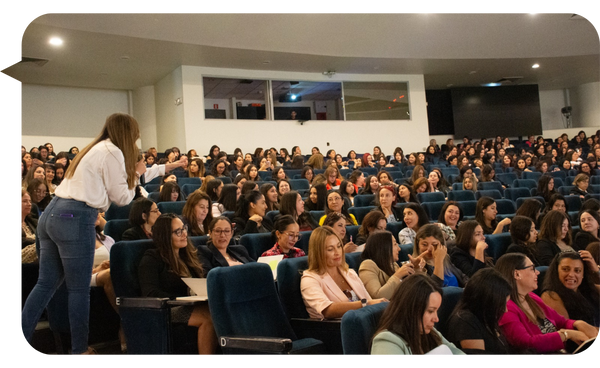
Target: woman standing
(66,230)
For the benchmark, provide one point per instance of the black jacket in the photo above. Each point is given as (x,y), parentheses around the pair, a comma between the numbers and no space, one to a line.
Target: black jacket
(210,257)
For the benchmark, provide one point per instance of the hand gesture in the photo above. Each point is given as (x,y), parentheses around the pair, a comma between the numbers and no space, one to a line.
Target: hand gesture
(418,262)
(407,269)
(588,260)
(140,167)
(350,247)
(440,252)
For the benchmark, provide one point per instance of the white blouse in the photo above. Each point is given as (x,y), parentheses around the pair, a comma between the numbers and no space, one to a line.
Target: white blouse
(100,178)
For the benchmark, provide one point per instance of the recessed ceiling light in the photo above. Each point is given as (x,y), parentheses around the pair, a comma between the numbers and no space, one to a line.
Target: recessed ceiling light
(55,41)
(535,66)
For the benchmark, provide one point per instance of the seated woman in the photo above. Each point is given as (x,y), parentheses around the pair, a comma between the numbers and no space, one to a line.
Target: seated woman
(271,196)
(528,323)
(545,187)
(405,333)
(451,215)
(371,185)
(36,172)
(385,178)
(50,174)
(532,209)
(250,215)
(227,200)
(213,189)
(473,325)
(197,213)
(278,173)
(171,192)
(432,255)
(334,179)
(485,214)
(308,173)
(590,231)
(167,178)
(524,238)
(28,227)
(329,288)
(219,168)
(385,202)
(251,173)
(293,205)
(436,184)
(287,234)
(418,172)
(569,288)
(283,186)
(406,194)
(378,269)
(38,191)
(469,183)
(414,217)
(374,220)
(219,252)
(142,215)
(196,168)
(469,253)
(554,237)
(581,186)
(489,174)
(160,272)
(338,222)
(335,203)
(421,185)
(317,198)
(348,191)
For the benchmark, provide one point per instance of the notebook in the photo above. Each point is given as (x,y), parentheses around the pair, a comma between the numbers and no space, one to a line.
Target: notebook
(272,261)
(198,287)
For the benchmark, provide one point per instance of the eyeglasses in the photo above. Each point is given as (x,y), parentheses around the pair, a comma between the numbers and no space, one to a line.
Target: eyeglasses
(293,236)
(179,232)
(222,231)
(532,266)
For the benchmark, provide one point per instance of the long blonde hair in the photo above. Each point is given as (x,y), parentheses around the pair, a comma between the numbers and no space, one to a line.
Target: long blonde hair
(123,132)
(317,251)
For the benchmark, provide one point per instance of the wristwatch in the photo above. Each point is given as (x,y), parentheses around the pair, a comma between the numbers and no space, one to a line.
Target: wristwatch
(363,302)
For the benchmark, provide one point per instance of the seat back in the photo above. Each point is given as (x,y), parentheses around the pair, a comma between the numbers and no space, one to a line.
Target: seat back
(152,187)
(125,256)
(433,209)
(497,244)
(573,202)
(188,189)
(271,215)
(461,195)
(468,208)
(363,200)
(431,197)
(243,301)
(559,174)
(298,184)
(565,189)
(569,180)
(116,228)
(450,297)
(507,177)
(289,273)
(493,193)
(359,326)
(524,183)
(184,181)
(489,185)
(394,228)
(353,260)
(154,196)
(405,250)
(514,193)
(257,243)
(505,207)
(369,170)
(360,212)
(535,175)
(352,231)
(116,212)
(457,186)
(520,201)
(317,215)
(171,207)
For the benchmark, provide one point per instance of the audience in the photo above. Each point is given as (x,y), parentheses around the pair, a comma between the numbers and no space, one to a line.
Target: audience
(329,288)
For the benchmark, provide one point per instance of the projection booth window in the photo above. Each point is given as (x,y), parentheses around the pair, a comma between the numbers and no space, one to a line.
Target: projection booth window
(302,100)
(376,101)
(230,98)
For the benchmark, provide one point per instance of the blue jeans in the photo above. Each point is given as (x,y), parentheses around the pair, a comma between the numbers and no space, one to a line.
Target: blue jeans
(67,238)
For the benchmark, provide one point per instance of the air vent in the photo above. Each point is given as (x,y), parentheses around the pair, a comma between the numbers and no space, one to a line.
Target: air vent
(36,61)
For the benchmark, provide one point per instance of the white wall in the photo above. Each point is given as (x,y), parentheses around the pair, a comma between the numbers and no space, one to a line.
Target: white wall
(170,127)
(341,135)
(67,116)
(144,111)
(585,100)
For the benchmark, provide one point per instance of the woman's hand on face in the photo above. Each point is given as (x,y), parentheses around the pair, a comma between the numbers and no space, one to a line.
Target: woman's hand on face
(481,246)
(440,252)
(350,247)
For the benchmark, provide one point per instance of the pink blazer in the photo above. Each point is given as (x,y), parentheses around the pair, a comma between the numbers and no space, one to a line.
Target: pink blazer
(523,334)
(320,291)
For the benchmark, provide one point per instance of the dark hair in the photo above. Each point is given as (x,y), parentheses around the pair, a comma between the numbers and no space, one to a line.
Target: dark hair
(485,297)
(531,208)
(344,185)
(520,228)
(442,217)
(210,153)
(244,203)
(139,206)
(553,198)
(167,189)
(367,189)
(247,172)
(355,175)
(275,172)
(582,304)
(321,198)
(344,209)
(188,262)
(551,228)
(297,162)
(370,220)
(412,295)
(211,189)
(379,249)
(305,169)
(213,168)
(542,188)
(228,197)
(264,190)
(248,186)
(214,221)
(282,223)
(423,218)
(483,203)
(189,213)
(590,204)
(464,235)
(592,213)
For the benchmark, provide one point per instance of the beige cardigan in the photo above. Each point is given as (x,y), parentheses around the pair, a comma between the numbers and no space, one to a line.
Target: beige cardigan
(320,291)
(377,283)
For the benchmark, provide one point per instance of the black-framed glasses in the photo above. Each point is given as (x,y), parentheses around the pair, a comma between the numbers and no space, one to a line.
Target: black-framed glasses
(180,231)
(222,231)
(532,266)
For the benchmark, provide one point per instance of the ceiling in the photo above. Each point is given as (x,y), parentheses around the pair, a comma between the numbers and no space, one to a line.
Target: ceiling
(128,51)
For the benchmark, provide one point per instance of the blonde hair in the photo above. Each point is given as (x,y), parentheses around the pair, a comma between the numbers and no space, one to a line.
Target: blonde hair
(123,131)
(317,251)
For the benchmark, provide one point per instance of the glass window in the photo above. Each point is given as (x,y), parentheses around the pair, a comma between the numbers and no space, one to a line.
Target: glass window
(228,98)
(301,100)
(376,101)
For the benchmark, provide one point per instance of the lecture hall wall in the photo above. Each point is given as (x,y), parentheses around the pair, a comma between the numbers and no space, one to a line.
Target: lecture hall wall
(69,116)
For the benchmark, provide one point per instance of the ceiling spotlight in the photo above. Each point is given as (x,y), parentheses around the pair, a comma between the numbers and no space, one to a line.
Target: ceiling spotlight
(535,66)
(55,41)
(329,73)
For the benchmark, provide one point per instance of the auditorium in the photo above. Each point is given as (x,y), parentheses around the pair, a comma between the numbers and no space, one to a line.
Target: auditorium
(364,157)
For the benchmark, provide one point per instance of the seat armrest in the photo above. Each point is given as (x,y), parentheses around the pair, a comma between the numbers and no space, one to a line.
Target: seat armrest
(328,331)
(256,344)
(142,302)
